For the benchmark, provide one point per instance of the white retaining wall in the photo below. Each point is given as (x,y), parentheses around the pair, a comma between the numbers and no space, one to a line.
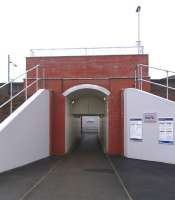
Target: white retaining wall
(136,103)
(24,135)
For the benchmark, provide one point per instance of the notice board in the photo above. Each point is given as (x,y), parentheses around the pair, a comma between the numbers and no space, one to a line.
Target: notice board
(166,130)
(135,126)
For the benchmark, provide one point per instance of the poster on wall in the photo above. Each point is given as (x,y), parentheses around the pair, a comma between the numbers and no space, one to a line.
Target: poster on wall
(135,129)
(166,130)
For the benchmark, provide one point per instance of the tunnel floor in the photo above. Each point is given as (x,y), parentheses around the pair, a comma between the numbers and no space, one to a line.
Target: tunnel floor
(83,175)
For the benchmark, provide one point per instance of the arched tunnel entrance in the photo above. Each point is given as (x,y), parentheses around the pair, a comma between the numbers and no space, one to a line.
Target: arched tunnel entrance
(86,112)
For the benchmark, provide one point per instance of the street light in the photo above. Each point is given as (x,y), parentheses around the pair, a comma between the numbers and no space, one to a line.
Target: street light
(138,40)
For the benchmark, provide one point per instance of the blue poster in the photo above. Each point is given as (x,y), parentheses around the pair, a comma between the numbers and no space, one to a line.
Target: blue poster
(166,130)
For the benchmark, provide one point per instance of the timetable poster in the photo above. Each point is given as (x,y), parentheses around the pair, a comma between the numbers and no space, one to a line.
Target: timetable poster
(166,130)
(135,129)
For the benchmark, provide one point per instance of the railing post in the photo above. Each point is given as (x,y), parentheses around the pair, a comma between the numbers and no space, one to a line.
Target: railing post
(11,95)
(141,77)
(167,84)
(26,88)
(44,76)
(138,76)
(135,78)
(37,79)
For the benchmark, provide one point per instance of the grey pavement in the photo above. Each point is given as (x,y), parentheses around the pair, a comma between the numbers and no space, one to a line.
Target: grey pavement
(146,180)
(14,183)
(83,175)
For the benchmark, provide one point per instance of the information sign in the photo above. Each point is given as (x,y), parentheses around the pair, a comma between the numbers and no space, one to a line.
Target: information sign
(150,117)
(136,129)
(166,130)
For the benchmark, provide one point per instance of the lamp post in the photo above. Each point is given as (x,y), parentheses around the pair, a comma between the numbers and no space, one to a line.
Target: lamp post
(138,40)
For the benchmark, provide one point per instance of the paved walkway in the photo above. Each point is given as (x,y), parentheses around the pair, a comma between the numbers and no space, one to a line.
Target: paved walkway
(84,175)
(146,180)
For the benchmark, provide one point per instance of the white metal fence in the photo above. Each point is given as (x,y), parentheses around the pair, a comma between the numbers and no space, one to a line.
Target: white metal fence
(140,78)
(27,85)
(88,51)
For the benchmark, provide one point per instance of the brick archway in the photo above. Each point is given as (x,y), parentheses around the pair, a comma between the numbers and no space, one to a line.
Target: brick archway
(87,86)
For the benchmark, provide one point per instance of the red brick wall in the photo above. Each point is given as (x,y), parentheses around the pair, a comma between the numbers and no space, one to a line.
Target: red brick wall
(112,72)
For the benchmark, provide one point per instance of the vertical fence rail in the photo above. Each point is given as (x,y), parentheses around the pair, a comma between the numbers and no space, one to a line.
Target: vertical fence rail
(135,78)
(11,95)
(138,76)
(37,78)
(44,77)
(141,77)
(167,85)
(26,88)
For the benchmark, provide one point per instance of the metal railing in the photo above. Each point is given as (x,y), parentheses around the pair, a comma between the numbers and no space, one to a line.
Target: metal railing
(88,51)
(140,78)
(12,96)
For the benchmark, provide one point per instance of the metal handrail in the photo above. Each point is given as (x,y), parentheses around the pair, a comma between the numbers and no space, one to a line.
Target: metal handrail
(12,80)
(139,78)
(6,102)
(85,49)
(165,70)
(10,83)
(4,85)
(158,84)
(31,69)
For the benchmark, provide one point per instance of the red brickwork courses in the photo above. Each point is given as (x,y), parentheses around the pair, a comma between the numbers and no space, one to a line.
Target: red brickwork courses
(111,72)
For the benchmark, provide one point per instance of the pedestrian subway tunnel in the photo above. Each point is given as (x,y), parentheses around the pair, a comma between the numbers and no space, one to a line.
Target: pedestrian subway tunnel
(86,111)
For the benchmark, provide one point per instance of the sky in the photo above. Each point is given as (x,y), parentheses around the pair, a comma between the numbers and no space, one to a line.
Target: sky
(28,24)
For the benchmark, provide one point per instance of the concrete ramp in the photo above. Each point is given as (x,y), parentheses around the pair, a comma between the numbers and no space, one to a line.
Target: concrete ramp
(24,135)
(148,126)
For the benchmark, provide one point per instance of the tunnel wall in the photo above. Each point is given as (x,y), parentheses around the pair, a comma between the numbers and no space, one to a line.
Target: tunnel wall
(88,105)
(103,133)
(73,127)
(111,72)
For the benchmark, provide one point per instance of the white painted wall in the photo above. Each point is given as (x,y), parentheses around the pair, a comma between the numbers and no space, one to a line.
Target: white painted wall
(90,124)
(136,103)
(24,135)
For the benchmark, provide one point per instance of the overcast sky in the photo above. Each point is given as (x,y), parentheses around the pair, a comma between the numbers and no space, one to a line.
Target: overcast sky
(27,24)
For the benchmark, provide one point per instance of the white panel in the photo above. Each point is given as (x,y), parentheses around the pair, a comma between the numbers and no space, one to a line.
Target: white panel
(24,135)
(90,124)
(136,104)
